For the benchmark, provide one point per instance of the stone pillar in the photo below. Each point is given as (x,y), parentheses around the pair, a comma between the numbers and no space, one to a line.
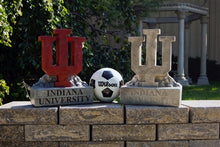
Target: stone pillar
(180,69)
(186,51)
(140,27)
(203,80)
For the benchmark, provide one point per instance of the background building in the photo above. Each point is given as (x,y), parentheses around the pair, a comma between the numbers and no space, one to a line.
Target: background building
(213,48)
(200,32)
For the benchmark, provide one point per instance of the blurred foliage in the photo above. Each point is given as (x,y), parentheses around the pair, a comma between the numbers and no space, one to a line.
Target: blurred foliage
(105,23)
(4,89)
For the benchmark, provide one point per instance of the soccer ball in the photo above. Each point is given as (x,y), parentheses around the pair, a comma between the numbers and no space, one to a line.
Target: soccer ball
(106,83)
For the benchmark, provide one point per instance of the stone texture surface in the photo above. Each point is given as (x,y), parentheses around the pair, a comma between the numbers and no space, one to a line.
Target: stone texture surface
(158,144)
(166,96)
(29,144)
(203,110)
(204,143)
(57,133)
(153,114)
(145,126)
(188,131)
(92,114)
(123,132)
(22,112)
(12,133)
(92,144)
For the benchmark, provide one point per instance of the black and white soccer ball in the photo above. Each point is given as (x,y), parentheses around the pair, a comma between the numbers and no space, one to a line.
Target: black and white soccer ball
(106,83)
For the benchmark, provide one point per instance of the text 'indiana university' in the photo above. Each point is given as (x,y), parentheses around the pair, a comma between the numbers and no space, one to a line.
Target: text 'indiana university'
(64,92)
(63,100)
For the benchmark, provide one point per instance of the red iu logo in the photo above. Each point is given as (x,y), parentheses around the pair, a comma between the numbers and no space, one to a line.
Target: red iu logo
(62,69)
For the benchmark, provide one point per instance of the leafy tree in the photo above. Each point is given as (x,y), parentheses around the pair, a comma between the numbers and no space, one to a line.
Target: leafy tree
(105,23)
(4,89)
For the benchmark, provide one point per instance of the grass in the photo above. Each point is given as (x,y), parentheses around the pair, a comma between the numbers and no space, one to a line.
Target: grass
(208,92)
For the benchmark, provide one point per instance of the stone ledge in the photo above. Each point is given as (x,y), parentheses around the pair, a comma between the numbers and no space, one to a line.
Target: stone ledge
(22,112)
(57,133)
(203,110)
(123,132)
(29,144)
(159,144)
(92,144)
(204,143)
(99,113)
(155,114)
(146,125)
(188,131)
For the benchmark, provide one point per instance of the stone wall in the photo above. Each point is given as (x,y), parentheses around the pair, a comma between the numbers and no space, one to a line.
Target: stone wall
(195,123)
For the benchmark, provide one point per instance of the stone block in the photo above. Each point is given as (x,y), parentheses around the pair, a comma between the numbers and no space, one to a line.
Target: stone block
(158,144)
(204,143)
(92,144)
(188,131)
(22,112)
(154,114)
(57,96)
(203,110)
(57,133)
(12,133)
(92,114)
(29,144)
(165,96)
(123,132)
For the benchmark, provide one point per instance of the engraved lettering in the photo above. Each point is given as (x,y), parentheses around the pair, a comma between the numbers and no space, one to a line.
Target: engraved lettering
(74,99)
(68,93)
(87,98)
(142,92)
(57,100)
(149,92)
(52,101)
(63,100)
(59,92)
(80,98)
(47,101)
(41,101)
(68,99)
(51,93)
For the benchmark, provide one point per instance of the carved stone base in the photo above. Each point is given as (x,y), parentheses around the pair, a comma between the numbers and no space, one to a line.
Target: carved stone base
(203,80)
(182,80)
(166,96)
(189,79)
(56,96)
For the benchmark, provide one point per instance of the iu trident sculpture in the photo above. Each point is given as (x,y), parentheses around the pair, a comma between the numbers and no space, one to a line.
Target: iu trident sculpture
(61,85)
(151,84)
(62,70)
